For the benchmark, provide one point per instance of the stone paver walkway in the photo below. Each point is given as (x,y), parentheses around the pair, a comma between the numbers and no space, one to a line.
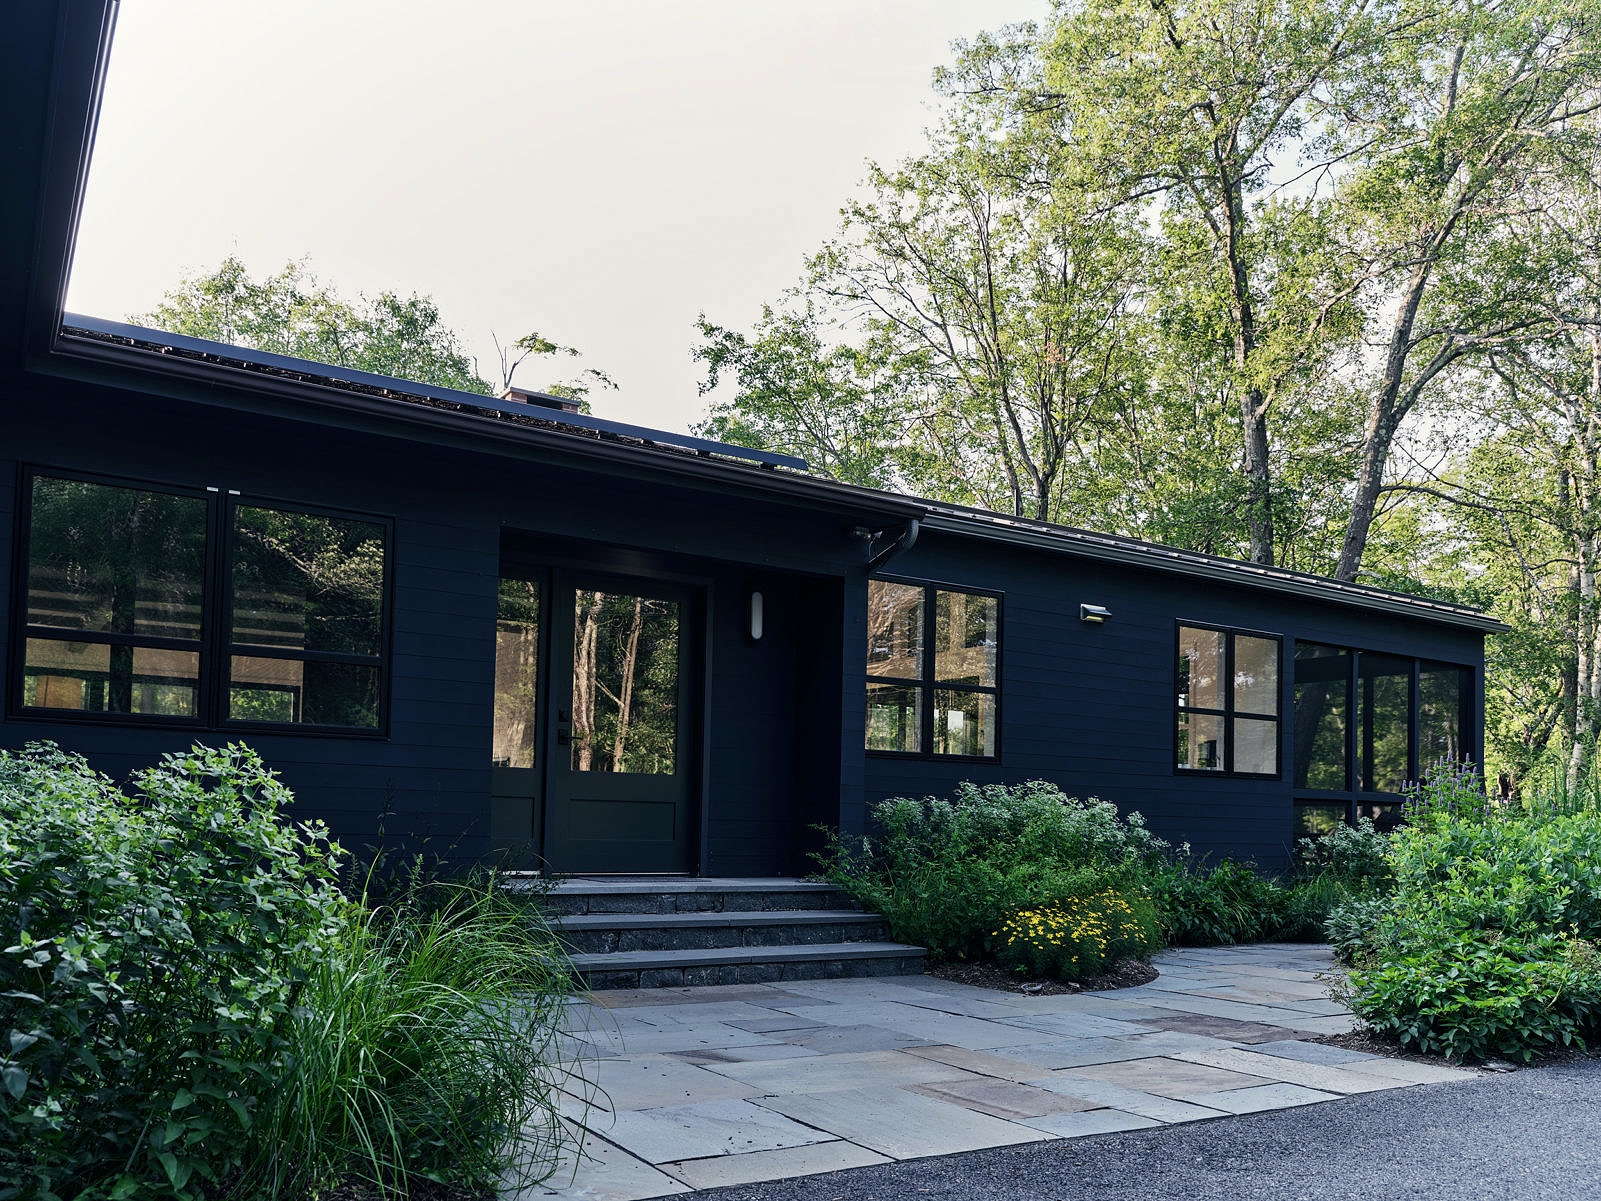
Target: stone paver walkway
(682,1089)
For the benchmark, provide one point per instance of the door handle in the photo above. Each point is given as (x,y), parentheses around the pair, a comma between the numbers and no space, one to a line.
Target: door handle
(563,738)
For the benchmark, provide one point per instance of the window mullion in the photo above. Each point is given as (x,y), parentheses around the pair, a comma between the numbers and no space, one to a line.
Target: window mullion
(929,625)
(216,620)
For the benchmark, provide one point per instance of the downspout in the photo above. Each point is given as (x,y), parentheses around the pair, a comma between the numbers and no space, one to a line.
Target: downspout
(905,542)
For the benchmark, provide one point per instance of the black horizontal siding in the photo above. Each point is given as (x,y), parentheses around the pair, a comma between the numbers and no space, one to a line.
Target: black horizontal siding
(1090,707)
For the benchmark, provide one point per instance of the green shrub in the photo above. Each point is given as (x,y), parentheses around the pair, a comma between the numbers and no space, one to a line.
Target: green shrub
(1472,994)
(1357,857)
(1077,937)
(155,951)
(193,1009)
(1222,903)
(1353,926)
(947,873)
(1485,946)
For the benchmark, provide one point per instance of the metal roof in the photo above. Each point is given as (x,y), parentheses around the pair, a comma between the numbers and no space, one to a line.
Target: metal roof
(412,389)
(936,515)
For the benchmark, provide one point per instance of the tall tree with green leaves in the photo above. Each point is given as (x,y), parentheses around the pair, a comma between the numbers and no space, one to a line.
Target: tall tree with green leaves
(294,313)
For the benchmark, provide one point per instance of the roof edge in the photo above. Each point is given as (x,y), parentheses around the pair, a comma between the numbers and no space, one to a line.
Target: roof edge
(1065,540)
(156,340)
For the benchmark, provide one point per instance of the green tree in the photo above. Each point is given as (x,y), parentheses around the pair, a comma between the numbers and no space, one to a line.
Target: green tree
(294,313)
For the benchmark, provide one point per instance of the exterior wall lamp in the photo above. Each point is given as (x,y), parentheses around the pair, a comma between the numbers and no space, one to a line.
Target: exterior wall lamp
(1094,614)
(756,614)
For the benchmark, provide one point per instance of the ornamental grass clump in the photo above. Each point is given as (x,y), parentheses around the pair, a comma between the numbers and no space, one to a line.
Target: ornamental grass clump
(1079,937)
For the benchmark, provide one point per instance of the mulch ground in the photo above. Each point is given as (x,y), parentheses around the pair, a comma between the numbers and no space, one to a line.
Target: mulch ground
(1363,1039)
(1127,973)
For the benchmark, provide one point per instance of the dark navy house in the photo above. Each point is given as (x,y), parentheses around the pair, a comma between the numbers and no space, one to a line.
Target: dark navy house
(509,627)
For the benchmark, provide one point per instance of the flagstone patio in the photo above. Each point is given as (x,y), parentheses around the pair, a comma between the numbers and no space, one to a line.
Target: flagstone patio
(675,1090)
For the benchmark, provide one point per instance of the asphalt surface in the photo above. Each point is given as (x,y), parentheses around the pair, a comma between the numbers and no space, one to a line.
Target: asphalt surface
(1530,1134)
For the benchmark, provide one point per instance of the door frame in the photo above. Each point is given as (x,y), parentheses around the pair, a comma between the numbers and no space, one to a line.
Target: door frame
(536,562)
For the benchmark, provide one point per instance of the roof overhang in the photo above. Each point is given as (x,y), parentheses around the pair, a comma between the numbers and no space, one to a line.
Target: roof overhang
(1084,544)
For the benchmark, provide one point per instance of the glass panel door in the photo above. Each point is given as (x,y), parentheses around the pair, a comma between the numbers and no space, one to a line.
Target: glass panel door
(625,698)
(625,683)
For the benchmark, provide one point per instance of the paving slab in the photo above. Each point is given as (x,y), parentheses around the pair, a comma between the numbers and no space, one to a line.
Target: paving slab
(1409,1072)
(1095,1121)
(592,1169)
(1225,1029)
(696,1131)
(984,1063)
(1071,1052)
(834,1073)
(651,1081)
(1000,1098)
(649,1040)
(921,1026)
(1076,1025)
(1311,1052)
(752,1054)
(1321,1076)
(627,998)
(736,1084)
(900,1124)
(846,1040)
(833,1156)
(1263,1097)
(1165,1077)
(1098,1094)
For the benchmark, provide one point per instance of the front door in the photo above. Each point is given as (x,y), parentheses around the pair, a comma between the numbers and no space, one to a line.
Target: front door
(625,690)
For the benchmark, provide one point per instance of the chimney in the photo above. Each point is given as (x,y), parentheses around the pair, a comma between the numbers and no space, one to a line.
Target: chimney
(541,400)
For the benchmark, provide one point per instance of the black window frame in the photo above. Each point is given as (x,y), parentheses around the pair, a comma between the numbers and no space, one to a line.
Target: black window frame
(928,683)
(1357,800)
(1229,712)
(215,646)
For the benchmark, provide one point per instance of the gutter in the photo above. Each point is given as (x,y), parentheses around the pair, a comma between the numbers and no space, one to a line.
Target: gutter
(1226,571)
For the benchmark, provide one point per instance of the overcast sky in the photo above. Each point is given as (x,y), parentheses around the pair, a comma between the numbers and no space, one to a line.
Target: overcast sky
(600,172)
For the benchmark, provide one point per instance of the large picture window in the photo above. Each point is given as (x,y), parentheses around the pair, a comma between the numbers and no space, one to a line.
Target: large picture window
(192,607)
(1366,724)
(1226,693)
(932,670)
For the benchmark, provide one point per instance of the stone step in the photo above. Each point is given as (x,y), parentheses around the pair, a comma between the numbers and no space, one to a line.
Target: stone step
(747,965)
(605,933)
(582,895)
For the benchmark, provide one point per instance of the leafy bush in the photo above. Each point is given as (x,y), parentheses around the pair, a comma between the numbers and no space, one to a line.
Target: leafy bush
(153,960)
(1353,926)
(946,873)
(1486,945)
(1079,936)
(1355,856)
(1472,994)
(192,1008)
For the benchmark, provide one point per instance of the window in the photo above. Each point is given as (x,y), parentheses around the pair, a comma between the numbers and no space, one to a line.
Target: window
(932,658)
(186,606)
(1227,702)
(1368,723)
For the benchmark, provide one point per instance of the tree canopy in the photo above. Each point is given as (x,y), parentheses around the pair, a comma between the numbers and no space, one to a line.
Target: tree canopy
(1305,282)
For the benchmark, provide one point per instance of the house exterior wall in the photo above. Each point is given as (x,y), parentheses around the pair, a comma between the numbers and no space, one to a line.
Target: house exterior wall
(1091,707)
(429,778)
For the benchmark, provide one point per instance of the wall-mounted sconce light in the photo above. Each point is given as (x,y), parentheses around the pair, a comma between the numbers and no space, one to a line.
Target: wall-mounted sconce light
(756,627)
(1095,614)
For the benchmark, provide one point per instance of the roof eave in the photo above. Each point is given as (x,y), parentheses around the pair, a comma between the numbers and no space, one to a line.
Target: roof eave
(1329,591)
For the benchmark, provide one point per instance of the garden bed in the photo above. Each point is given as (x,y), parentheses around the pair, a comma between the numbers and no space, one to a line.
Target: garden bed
(1127,973)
